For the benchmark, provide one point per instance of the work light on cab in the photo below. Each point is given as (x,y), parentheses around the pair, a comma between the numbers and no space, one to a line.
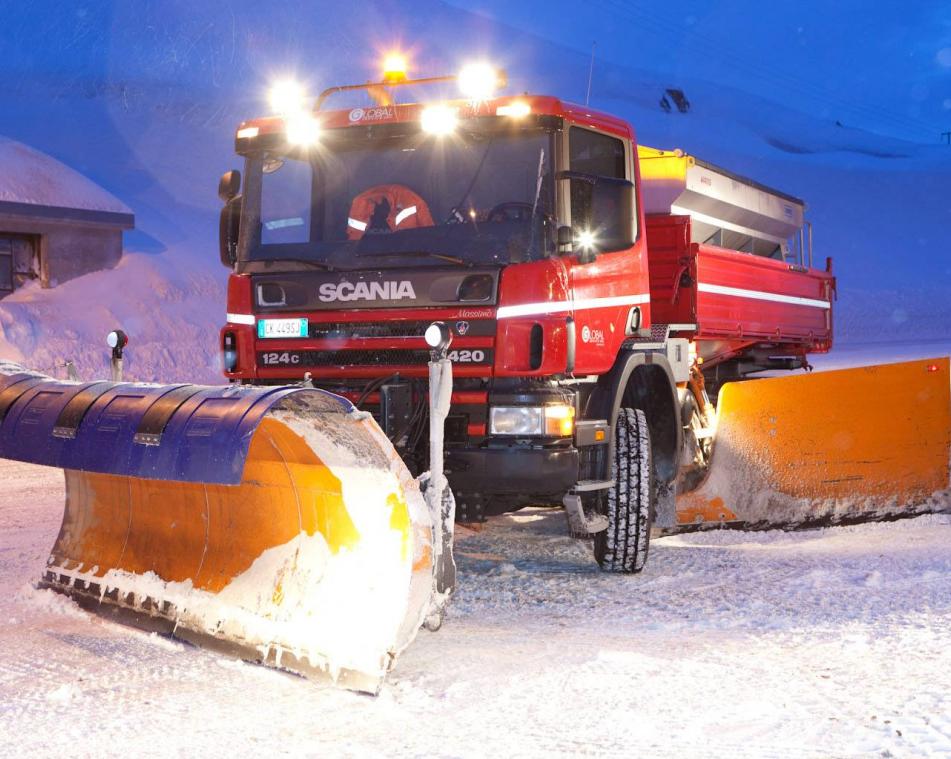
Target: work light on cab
(287,98)
(516,110)
(438,119)
(477,81)
(302,130)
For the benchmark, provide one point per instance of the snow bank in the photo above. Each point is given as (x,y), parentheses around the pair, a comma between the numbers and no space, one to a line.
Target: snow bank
(170,312)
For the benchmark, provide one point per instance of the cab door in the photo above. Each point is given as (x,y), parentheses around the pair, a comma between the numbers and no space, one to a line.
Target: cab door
(608,272)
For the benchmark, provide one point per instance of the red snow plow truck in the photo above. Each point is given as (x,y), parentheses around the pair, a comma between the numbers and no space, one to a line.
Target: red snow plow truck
(601,306)
(601,297)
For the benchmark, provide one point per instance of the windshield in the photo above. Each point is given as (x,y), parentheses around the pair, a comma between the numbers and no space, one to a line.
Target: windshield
(468,198)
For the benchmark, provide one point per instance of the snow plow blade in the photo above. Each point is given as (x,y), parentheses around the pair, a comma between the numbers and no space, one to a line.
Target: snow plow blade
(277,524)
(828,448)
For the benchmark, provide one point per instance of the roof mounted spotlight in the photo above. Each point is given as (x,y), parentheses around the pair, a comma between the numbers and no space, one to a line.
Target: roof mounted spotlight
(287,98)
(478,81)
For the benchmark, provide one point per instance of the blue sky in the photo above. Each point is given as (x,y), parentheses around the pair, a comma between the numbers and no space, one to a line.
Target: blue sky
(882,66)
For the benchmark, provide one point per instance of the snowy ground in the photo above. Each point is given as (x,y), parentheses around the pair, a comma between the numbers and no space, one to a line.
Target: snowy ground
(833,642)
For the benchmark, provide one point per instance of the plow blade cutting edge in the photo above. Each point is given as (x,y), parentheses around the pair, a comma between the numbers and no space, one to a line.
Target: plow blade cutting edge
(828,448)
(277,524)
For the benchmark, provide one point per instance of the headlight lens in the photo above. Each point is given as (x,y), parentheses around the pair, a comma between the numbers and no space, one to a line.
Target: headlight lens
(516,420)
(557,420)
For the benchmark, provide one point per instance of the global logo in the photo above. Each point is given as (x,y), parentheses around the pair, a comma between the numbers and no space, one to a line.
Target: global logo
(589,335)
(356,114)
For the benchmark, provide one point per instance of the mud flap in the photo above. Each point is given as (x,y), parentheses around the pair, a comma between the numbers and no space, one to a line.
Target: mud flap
(278,524)
(830,447)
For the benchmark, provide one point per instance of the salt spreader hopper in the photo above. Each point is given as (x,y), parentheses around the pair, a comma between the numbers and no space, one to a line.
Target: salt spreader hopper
(275,523)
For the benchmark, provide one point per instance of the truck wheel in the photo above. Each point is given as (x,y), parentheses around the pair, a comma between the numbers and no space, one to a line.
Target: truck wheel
(629,503)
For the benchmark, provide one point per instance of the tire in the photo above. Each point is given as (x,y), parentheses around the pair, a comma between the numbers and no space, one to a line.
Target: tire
(629,504)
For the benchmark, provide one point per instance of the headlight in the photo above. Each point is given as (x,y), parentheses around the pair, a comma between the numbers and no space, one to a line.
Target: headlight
(302,130)
(556,421)
(516,420)
(438,119)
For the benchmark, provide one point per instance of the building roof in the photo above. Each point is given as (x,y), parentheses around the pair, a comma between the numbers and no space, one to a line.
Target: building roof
(36,185)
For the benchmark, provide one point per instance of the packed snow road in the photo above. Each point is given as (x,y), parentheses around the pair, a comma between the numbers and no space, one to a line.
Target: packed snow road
(823,643)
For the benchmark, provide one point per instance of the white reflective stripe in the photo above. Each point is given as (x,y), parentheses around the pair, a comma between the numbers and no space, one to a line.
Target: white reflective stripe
(357,224)
(404,215)
(554,307)
(737,292)
(240,318)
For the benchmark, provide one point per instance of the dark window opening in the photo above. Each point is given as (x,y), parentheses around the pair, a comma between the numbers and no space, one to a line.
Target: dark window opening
(19,261)
(593,153)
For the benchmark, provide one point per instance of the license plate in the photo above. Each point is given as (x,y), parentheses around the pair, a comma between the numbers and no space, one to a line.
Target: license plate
(282,327)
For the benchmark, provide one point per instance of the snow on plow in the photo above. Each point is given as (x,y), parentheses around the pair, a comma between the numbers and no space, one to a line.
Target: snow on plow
(275,523)
(829,447)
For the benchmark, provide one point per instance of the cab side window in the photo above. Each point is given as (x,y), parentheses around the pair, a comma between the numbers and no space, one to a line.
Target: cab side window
(593,153)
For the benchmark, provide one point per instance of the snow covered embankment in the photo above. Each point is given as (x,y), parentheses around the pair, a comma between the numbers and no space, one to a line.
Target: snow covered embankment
(172,316)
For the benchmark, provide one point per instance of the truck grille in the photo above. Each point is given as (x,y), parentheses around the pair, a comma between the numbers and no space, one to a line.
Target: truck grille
(396,328)
(345,330)
(364,357)
(384,357)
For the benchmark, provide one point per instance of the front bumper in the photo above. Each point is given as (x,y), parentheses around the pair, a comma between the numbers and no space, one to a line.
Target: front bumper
(532,475)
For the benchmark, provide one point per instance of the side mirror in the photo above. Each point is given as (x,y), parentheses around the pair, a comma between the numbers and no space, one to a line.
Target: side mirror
(229,185)
(229,224)
(612,213)
(602,214)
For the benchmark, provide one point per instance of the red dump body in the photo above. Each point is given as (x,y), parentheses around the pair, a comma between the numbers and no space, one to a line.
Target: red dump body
(732,302)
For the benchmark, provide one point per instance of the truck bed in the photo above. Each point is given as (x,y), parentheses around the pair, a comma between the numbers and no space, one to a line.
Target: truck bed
(732,302)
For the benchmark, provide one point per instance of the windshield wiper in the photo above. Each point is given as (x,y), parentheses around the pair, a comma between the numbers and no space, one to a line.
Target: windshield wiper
(428,254)
(455,215)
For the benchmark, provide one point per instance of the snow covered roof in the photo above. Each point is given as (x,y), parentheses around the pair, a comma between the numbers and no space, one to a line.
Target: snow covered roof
(34,184)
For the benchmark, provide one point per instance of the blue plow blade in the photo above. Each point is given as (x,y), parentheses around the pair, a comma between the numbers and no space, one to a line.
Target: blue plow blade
(183,433)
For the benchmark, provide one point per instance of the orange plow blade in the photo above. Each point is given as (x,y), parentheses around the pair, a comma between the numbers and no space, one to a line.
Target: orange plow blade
(316,559)
(829,447)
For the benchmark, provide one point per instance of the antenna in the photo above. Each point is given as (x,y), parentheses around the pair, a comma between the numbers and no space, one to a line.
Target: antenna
(587,97)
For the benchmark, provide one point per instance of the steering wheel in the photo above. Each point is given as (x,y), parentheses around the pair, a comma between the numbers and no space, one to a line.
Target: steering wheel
(511,211)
